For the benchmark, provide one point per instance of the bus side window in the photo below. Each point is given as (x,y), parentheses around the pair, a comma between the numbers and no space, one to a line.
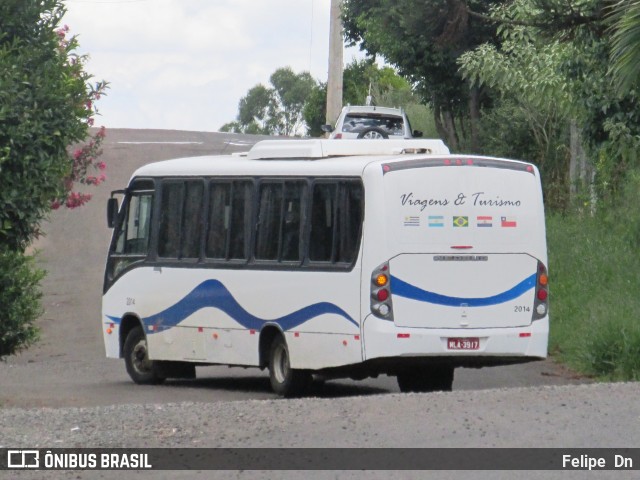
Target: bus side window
(170,219)
(322,215)
(240,220)
(192,219)
(230,220)
(280,221)
(269,220)
(219,216)
(349,224)
(133,237)
(336,222)
(181,219)
(294,192)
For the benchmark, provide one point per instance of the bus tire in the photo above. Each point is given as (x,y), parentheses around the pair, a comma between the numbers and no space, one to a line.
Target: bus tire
(286,381)
(431,379)
(136,358)
(373,133)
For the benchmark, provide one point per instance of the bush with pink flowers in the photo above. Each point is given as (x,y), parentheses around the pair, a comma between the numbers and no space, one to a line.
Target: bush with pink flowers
(47,106)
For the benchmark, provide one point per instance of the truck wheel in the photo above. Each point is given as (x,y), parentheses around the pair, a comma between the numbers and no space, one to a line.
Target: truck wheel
(286,381)
(428,379)
(136,358)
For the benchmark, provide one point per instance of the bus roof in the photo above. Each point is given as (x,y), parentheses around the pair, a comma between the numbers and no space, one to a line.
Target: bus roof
(314,157)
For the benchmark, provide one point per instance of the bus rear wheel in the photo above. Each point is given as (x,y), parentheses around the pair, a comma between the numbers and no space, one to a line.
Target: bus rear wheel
(286,381)
(426,379)
(136,358)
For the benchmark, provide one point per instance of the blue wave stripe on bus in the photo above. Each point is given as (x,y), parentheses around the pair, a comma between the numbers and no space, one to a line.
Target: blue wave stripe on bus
(213,294)
(404,289)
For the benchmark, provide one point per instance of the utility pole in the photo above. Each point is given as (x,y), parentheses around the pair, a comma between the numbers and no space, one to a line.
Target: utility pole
(334,81)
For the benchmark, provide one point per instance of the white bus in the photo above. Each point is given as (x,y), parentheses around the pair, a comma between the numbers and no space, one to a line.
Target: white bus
(328,258)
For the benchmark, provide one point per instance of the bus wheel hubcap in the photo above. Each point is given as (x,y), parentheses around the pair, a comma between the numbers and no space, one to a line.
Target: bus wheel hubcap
(140,359)
(280,364)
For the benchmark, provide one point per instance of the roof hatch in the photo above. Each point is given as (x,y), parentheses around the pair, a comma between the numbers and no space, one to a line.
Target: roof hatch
(314,149)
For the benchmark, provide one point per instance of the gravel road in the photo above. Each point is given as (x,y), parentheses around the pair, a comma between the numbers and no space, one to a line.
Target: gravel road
(596,415)
(552,416)
(64,393)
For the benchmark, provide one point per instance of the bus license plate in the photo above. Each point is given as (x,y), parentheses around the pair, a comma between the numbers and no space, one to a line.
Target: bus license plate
(467,343)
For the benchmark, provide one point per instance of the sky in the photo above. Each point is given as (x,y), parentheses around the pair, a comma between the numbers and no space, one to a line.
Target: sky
(185,64)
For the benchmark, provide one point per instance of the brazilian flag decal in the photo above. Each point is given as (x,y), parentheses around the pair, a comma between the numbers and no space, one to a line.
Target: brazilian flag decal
(460,221)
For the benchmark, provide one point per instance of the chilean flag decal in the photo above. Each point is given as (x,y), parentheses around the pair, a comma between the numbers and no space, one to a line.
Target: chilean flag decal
(508,221)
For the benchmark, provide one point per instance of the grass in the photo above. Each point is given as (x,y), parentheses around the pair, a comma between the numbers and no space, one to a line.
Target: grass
(594,266)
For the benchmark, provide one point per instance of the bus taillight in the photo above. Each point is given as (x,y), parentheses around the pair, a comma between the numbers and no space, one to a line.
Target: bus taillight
(383,294)
(541,306)
(381,280)
(380,293)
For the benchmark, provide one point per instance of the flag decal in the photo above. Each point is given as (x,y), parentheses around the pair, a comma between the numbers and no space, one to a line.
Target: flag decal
(436,221)
(484,221)
(411,221)
(508,222)
(459,221)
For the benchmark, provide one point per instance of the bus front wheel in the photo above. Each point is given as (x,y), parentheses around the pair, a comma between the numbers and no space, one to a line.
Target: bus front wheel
(428,379)
(286,381)
(136,358)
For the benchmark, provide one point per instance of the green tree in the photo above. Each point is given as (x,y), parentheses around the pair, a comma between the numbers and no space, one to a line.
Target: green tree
(275,110)
(46,106)
(423,39)
(315,110)
(291,92)
(625,48)
(20,299)
(531,118)
(231,127)
(555,56)
(361,78)
(253,110)
(364,77)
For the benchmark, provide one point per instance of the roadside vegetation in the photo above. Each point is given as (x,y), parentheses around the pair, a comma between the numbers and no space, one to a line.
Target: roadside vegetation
(47,105)
(595,288)
(294,104)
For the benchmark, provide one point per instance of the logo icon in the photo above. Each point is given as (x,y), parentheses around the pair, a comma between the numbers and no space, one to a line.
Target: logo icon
(23,459)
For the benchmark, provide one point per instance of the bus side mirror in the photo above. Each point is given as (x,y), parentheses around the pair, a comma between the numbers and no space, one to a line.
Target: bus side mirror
(326,128)
(112,212)
(417,133)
